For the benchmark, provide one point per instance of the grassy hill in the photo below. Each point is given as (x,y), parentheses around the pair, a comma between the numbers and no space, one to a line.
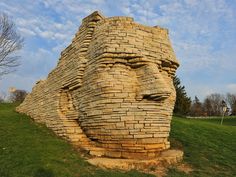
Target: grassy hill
(28,149)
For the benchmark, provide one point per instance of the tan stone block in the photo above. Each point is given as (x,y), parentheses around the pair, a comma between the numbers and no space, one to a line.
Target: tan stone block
(97,152)
(137,126)
(113,154)
(161,135)
(151,140)
(132,155)
(119,132)
(127,118)
(120,124)
(164,129)
(154,146)
(143,136)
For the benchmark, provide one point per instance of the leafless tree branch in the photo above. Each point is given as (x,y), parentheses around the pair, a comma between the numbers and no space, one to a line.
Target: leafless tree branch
(10,43)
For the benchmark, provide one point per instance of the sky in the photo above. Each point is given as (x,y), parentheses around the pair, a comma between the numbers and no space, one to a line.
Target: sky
(203,34)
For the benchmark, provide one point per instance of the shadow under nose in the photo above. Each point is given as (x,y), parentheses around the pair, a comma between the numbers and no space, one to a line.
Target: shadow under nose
(157,97)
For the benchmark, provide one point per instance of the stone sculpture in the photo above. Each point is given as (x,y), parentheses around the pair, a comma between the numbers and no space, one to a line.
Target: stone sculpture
(111,91)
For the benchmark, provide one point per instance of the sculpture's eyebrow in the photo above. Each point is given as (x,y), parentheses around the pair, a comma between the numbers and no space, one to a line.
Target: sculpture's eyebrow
(169,64)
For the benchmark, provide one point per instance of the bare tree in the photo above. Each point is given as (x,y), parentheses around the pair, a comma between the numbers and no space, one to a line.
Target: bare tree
(233,108)
(3,97)
(207,106)
(196,107)
(10,43)
(18,96)
(231,99)
(215,101)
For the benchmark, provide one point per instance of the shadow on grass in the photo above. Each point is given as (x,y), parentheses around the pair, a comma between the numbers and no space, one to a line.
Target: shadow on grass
(4,173)
(42,172)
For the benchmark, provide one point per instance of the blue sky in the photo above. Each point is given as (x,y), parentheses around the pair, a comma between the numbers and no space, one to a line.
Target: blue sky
(203,34)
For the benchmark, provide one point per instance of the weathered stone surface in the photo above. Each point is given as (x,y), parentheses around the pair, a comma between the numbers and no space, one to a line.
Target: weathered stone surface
(166,158)
(111,91)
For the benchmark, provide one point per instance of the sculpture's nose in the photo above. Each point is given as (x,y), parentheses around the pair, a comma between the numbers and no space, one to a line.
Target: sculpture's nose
(152,83)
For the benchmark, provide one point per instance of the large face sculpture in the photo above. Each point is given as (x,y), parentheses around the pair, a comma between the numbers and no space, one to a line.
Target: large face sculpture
(114,81)
(127,96)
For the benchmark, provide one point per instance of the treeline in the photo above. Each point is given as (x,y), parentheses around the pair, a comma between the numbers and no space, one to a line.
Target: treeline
(14,96)
(212,105)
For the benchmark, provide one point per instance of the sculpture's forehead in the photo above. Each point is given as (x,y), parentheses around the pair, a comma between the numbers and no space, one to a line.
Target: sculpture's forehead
(122,36)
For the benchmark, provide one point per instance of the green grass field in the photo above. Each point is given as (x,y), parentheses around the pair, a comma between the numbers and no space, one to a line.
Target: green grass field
(210,148)
(28,149)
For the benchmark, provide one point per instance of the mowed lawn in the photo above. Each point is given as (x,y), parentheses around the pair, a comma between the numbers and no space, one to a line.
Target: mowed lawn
(28,149)
(210,148)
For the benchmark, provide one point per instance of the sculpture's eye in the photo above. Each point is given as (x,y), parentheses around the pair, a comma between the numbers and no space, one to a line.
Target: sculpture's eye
(137,65)
(111,62)
(120,61)
(137,62)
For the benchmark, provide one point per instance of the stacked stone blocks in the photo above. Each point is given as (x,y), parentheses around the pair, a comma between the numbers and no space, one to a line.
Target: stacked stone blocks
(111,92)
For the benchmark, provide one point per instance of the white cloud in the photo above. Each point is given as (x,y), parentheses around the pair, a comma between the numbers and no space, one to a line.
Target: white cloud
(34,67)
(194,56)
(26,32)
(47,29)
(204,90)
(98,1)
(17,81)
(47,34)
(127,11)
(59,47)
(201,91)
(36,64)
(191,2)
(231,87)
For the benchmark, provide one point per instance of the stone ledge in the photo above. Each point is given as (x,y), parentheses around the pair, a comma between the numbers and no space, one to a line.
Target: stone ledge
(168,157)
